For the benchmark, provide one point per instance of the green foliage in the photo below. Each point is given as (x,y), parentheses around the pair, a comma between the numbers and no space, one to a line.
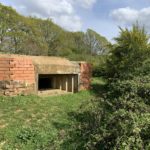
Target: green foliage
(120,117)
(34,36)
(96,44)
(130,50)
(26,135)
(99,66)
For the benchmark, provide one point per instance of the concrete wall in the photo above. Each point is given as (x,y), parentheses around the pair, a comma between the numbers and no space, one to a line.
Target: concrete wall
(17,76)
(57,69)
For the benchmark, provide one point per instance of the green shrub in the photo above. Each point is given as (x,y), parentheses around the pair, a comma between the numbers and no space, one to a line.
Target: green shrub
(129,52)
(119,119)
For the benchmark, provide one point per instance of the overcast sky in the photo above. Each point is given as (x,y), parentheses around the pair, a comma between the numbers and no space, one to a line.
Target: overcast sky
(103,16)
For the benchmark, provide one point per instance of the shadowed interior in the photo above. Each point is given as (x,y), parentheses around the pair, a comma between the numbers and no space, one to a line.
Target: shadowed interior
(45,82)
(68,82)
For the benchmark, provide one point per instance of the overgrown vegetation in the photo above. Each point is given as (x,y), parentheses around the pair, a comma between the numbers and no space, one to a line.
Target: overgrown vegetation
(31,122)
(115,114)
(120,117)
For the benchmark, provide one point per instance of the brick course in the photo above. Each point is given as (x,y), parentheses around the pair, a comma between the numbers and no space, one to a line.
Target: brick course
(17,76)
(85,75)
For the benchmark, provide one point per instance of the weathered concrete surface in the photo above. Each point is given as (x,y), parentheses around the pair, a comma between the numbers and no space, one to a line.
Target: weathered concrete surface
(57,69)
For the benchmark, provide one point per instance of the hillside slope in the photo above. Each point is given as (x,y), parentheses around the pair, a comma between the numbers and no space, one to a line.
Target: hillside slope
(35,36)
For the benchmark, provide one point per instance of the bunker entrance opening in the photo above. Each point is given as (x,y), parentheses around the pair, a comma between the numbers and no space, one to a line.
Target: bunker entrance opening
(44,82)
(61,82)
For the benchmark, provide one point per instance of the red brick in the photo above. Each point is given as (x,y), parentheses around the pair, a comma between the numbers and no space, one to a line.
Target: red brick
(4,69)
(5,72)
(1,78)
(28,72)
(17,69)
(6,78)
(23,65)
(85,77)
(31,69)
(3,75)
(17,72)
(22,69)
(6,65)
(4,62)
(18,76)
(5,59)
(13,69)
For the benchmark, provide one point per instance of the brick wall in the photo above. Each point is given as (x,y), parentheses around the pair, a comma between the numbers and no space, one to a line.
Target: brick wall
(16,76)
(85,75)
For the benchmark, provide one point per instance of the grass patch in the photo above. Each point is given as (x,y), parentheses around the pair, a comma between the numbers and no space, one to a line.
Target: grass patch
(43,123)
(32,122)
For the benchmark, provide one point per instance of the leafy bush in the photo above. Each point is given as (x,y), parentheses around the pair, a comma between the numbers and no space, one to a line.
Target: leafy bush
(129,52)
(120,117)
(99,66)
